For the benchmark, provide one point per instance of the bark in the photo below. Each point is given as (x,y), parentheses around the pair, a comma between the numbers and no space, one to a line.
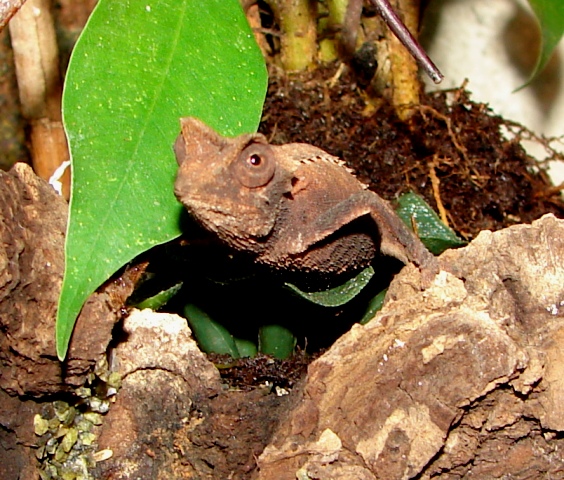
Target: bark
(462,380)
(32,228)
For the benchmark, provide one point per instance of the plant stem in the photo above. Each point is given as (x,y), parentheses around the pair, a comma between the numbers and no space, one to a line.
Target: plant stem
(351,24)
(36,56)
(404,72)
(298,22)
(333,26)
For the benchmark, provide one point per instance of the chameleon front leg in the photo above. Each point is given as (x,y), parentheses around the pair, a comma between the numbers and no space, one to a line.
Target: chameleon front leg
(396,239)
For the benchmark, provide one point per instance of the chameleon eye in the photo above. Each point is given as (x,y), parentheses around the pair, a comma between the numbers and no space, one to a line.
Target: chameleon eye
(255,165)
(255,160)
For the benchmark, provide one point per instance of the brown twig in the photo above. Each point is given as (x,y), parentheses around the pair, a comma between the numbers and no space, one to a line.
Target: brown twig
(8,8)
(556,190)
(351,24)
(436,183)
(399,29)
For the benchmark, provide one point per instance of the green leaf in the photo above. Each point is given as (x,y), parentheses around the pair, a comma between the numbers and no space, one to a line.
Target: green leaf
(137,68)
(550,15)
(374,306)
(277,341)
(434,234)
(211,336)
(160,299)
(337,296)
(246,348)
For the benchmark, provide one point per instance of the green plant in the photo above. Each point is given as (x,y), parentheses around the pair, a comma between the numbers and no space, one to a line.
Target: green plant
(550,16)
(339,25)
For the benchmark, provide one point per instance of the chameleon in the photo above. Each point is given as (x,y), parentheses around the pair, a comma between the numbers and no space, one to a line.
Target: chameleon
(293,207)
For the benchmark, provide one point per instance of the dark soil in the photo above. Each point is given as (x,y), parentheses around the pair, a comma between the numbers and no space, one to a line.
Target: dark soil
(263,371)
(482,179)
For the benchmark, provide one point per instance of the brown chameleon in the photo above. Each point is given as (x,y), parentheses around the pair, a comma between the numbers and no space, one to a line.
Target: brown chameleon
(293,207)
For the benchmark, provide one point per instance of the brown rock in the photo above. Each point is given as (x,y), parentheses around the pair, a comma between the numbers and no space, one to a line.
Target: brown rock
(32,230)
(32,226)
(171,415)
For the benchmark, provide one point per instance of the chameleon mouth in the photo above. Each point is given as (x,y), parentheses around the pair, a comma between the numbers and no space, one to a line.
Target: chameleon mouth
(197,207)
(211,214)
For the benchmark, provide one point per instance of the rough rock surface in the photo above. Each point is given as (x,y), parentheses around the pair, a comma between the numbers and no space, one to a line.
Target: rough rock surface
(163,373)
(32,227)
(463,380)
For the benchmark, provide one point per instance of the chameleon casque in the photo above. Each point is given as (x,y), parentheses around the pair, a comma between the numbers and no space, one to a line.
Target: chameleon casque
(294,207)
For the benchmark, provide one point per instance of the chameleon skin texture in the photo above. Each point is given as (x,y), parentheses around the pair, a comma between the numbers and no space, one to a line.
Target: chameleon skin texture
(293,207)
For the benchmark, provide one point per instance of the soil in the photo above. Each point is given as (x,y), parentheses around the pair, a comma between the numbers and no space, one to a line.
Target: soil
(464,160)
(484,179)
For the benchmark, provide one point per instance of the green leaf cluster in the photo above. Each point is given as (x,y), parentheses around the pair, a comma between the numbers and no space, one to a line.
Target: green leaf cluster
(274,340)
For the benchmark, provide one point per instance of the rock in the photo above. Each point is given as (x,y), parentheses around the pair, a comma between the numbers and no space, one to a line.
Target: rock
(32,228)
(163,372)
(172,417)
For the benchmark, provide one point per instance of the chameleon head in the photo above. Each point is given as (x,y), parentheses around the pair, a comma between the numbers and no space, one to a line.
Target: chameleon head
(229,185)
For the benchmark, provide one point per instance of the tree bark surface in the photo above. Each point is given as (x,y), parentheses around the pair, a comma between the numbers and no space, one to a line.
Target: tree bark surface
(32,231)
(463,380)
